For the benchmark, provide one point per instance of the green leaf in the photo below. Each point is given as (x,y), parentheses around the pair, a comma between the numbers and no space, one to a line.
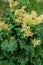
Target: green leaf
(4,45)
(12,45)
(23,44)
(36,61)
(39,51)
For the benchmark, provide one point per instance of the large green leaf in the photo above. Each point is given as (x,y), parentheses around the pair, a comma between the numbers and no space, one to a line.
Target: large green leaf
(12,45)
(36,61)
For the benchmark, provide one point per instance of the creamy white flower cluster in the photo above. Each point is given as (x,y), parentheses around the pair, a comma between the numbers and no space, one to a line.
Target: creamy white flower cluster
(27,20)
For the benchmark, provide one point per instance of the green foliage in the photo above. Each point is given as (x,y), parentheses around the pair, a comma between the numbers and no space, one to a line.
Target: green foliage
(6,63)
(15,49)
(32,5)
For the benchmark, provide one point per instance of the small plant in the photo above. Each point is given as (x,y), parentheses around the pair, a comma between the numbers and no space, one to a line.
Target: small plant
(21,36)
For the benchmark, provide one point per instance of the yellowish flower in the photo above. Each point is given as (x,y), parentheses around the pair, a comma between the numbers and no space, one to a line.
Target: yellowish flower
(19,12)
(18,20)
(12,38)
(26,30)
(28,33)
(34,14)
(41,16)
(10,3)
(36,21)
(23,7)
(36,42)
(39,20)
(3,26)
(15,3)
(27,18)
